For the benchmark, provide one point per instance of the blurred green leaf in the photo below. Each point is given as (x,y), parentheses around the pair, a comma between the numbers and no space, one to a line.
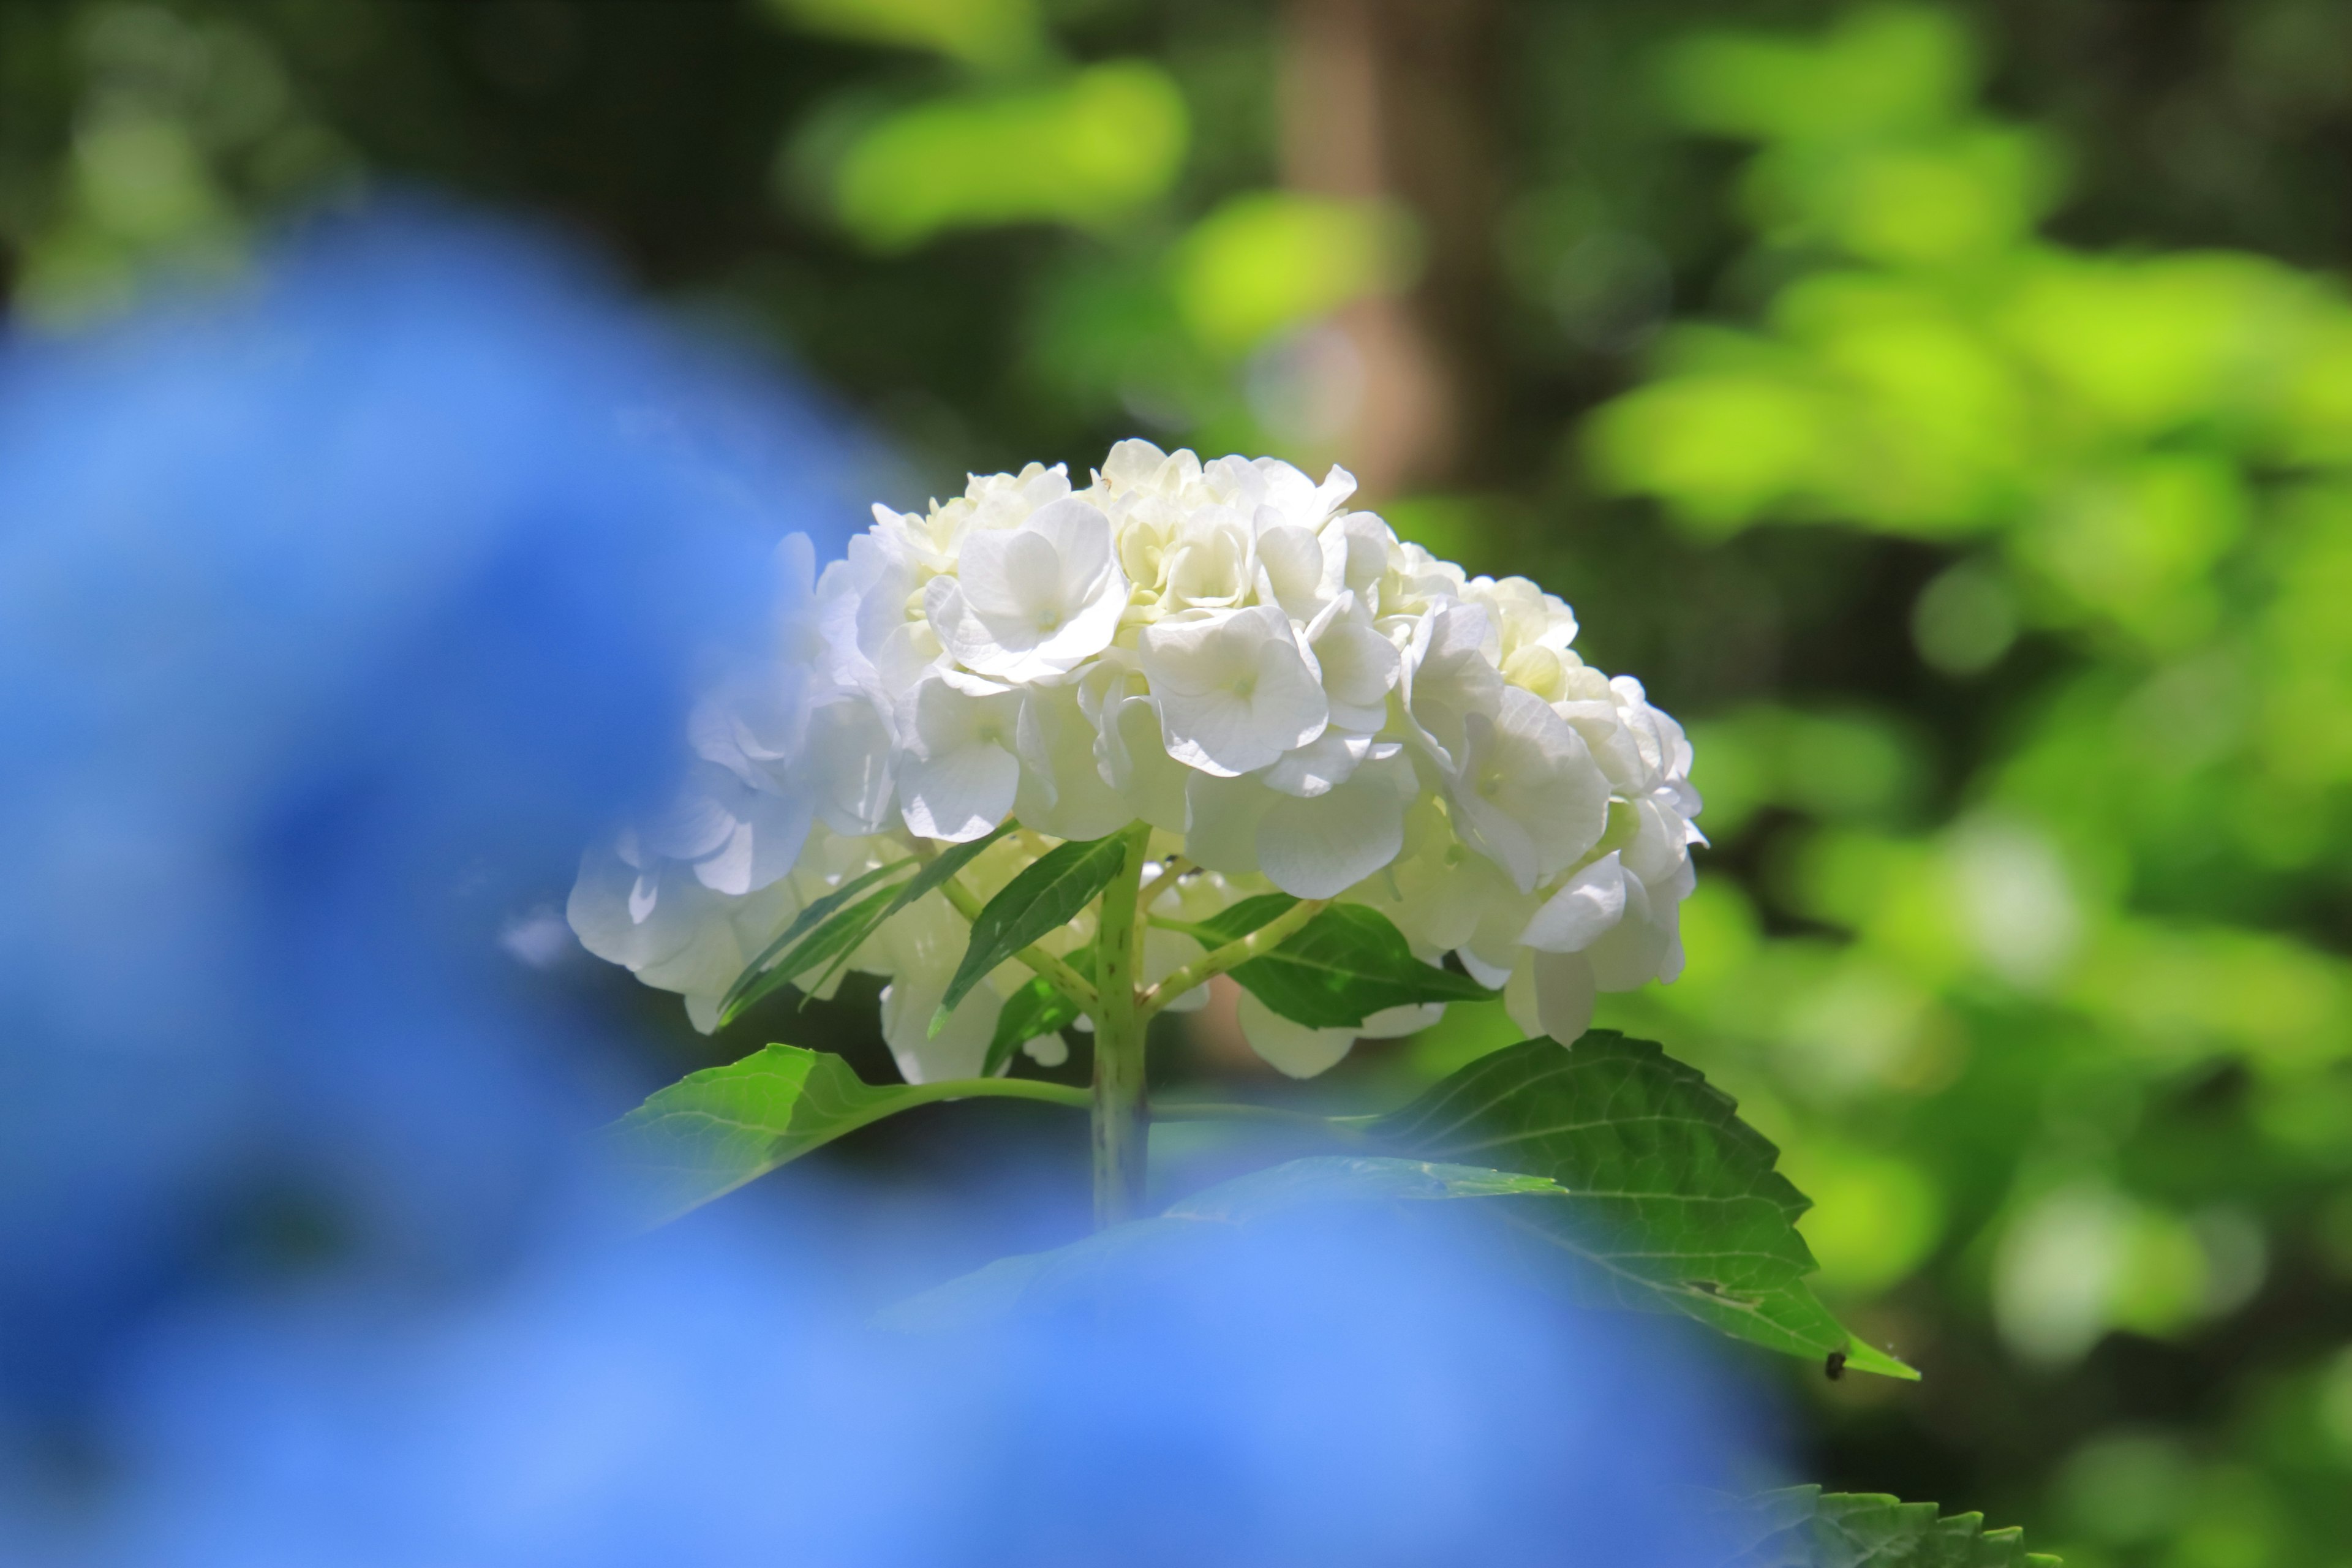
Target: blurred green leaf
(1089,150)
(989,33)
(1011,1283)
(1804,1527)
(1884,69)
(1270,259)
(1670,1202)
(1340,968)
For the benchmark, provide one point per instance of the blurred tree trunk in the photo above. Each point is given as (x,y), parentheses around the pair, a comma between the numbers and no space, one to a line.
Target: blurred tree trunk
(1393,99)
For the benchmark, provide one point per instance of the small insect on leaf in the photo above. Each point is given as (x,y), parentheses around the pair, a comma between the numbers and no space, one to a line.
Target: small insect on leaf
(1834,1368)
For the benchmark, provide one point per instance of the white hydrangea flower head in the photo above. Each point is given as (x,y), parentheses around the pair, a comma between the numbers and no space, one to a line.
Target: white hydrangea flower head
(1294,700)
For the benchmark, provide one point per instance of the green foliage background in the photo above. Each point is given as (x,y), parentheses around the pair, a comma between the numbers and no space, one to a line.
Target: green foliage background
(1947,411)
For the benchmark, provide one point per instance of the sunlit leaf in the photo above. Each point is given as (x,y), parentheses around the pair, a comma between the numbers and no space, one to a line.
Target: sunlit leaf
(1085,150)
(1040,1277)
(1340,968)
(715,1129)
(1047,896)
(1271,259)
(1670,1203)
(1804,1527)
(992,33)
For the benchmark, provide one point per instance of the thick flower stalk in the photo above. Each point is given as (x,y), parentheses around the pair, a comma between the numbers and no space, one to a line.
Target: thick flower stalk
(1251,689)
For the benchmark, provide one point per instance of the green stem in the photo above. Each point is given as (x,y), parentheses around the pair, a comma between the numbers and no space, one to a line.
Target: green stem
(1122,1127)
(1177,865)
(1233,956)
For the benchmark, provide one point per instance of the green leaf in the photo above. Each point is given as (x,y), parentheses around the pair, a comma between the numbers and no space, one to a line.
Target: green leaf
(1038,1009)
(1046,897)
(830,944)
(935,874)
(1011,1283)
(1804,1527)
(843,930)
(1340,968)
(713,1130)
(758,979)
(1670,1202)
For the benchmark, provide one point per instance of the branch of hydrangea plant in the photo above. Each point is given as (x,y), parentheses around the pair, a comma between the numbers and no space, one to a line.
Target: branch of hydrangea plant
(1234,954)
(1065,979)
(1176,867)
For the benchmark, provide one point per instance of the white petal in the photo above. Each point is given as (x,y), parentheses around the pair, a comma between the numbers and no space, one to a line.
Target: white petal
(1564,995)
(1062,793)
(958,1049)
(846,766)
(1320,847)
(960,795)
(1292,1049)
(1448,674)
(1222,819)
(1527,793)
(1575,918)
(1235,689)
(1320,767)
(1290,568)
(1493,976)
(1359,666)
(1632,954)
(1394,1023)
(1129,752)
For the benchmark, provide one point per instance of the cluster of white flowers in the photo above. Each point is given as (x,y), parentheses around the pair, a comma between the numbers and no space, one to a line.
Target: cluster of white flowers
(1291,696)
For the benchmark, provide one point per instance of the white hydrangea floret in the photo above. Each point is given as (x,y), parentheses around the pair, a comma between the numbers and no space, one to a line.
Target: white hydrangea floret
(1290,696)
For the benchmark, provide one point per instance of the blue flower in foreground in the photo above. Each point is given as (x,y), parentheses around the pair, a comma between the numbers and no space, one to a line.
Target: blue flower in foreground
(334,615)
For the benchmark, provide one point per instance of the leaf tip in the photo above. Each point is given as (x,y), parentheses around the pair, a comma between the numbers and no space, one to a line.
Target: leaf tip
(1862,1357)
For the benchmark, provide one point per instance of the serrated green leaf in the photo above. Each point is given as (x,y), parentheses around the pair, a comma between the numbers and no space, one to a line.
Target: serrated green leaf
(1038,1278)
(1043,897)
(1671,1203)
(1804,1527)
(715,1129)
(1340,968)
(759,978)
(1038,1009)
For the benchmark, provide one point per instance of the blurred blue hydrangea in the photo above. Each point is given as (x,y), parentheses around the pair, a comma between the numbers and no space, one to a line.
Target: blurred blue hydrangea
(334,617)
